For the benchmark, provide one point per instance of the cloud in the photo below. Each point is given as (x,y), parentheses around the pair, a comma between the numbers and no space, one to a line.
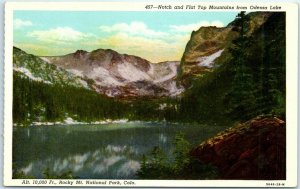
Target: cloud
(18,23)
(154,50)
(194,26)
(138,39)
(59,35)
(133,28)
(134,38)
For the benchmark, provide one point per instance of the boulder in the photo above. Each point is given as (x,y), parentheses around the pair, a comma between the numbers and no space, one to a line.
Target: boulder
(254,150)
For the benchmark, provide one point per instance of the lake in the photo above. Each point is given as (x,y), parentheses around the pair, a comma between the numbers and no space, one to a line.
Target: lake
(108,151)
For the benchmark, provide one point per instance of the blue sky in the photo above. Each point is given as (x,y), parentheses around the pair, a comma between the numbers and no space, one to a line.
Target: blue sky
(156,36)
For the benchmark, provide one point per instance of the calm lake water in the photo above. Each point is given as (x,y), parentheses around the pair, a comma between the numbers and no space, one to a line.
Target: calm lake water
(110,151)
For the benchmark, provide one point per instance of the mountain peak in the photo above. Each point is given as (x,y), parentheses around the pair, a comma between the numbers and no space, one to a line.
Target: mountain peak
(207,44)
(79,53)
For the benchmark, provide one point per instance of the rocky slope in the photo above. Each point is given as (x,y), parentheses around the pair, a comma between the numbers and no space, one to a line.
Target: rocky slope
(34,68)
(121,75)
(208,44)
(252,150)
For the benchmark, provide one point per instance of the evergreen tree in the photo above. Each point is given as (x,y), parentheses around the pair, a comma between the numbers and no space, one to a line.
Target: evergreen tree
(274,66)
(241,98)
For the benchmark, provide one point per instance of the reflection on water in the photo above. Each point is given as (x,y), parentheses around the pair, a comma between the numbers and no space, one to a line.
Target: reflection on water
(103,151)
(162,138)
(27,169)
(107,162)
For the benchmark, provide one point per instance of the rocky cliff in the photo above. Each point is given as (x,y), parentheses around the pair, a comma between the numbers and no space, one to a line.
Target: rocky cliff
(210,44)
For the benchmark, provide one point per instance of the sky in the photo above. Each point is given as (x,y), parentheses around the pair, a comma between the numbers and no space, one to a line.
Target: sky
(155,36)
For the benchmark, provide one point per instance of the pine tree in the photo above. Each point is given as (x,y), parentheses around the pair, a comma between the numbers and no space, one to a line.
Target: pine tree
(274,67)
(241,98)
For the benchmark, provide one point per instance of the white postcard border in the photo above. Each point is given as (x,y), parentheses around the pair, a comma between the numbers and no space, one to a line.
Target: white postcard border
(291,95)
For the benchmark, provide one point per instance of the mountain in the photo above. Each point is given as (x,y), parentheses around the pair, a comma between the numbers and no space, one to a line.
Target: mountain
(121,75)
(206,45)
(246,80)
(34,68)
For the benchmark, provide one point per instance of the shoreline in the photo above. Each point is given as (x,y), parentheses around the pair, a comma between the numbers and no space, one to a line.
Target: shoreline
(70,121)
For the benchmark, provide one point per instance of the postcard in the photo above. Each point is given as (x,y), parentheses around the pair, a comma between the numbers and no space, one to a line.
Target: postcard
(149,94)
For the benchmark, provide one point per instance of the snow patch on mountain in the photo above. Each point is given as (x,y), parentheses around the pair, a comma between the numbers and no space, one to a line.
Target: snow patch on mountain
(131,73)
(208,61)
(112,93)
(75,72)
(26,72)
(103,77)
(151,70)
(84,84)
(174,89)
(45,59)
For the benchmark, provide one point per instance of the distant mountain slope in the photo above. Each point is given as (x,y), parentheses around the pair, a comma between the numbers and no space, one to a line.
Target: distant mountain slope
(121,75)
(33,67)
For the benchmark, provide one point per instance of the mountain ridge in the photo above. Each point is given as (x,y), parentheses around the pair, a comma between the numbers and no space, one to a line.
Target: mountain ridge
(118,75)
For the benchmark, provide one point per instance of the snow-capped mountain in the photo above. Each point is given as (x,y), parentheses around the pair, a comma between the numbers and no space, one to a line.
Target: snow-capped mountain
(121,75)
(34,68)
